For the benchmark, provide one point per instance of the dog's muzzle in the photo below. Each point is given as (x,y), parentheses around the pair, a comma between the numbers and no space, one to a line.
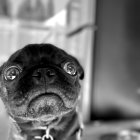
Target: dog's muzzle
(49,103)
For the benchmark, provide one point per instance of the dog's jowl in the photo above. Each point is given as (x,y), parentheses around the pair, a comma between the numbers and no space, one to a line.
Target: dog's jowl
(40,89)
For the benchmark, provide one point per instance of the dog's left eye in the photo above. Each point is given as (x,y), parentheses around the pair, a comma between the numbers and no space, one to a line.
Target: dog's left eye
(70,68)
(11,73)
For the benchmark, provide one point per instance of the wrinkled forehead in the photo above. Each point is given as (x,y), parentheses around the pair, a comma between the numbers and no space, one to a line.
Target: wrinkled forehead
(37,54)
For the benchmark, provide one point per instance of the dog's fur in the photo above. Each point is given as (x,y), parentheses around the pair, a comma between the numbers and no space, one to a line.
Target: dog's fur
(42,91)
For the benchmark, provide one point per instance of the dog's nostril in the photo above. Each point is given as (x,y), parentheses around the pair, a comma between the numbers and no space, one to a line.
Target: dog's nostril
(43,72)
(50,72)
(37,74)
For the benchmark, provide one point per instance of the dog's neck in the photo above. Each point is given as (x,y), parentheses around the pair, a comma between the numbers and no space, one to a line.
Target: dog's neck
(69,121)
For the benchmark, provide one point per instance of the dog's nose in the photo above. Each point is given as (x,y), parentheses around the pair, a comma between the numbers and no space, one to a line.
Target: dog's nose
(44,73)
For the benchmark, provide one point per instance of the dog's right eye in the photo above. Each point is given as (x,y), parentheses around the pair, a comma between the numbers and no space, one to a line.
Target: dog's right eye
(11,73)
(70,68)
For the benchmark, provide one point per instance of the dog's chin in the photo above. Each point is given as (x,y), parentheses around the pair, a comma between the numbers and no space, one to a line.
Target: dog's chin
(46,105)
(42,108)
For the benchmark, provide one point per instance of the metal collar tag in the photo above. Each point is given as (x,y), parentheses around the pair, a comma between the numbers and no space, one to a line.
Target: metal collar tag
(47,136)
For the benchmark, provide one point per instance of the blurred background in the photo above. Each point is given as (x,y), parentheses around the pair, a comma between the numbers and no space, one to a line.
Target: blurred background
(104,35)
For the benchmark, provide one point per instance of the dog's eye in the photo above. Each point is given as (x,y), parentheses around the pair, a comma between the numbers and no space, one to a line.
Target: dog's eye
(70,68)
(11,73)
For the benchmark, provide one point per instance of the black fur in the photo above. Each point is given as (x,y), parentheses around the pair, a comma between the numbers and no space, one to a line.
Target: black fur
(43,94)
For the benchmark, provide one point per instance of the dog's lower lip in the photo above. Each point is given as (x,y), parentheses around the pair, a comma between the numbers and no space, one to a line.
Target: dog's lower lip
(45,103)
(46,94)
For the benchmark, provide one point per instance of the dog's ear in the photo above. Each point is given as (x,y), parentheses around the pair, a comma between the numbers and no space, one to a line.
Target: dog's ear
(81,72)
(1,68)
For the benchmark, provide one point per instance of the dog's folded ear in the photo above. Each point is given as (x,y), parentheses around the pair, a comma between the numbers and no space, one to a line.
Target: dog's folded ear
(1,68)
(79,69)
(81,72)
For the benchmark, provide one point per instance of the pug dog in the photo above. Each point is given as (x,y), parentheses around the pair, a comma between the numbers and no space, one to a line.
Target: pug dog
(39,85)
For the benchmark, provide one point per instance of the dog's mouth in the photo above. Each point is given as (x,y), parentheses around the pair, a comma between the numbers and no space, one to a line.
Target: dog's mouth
(46,104)
(42,106)
(43,109)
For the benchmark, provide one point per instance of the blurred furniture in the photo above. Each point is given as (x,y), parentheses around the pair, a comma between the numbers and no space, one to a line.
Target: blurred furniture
(116,87)
(80,38)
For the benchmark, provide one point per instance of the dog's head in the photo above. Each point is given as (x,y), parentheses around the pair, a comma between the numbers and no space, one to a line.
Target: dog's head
(40,82)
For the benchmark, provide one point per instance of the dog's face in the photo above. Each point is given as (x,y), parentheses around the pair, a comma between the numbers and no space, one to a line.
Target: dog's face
(40,83)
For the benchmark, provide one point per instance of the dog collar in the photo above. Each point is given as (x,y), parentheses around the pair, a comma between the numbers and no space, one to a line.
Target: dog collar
(47,135)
